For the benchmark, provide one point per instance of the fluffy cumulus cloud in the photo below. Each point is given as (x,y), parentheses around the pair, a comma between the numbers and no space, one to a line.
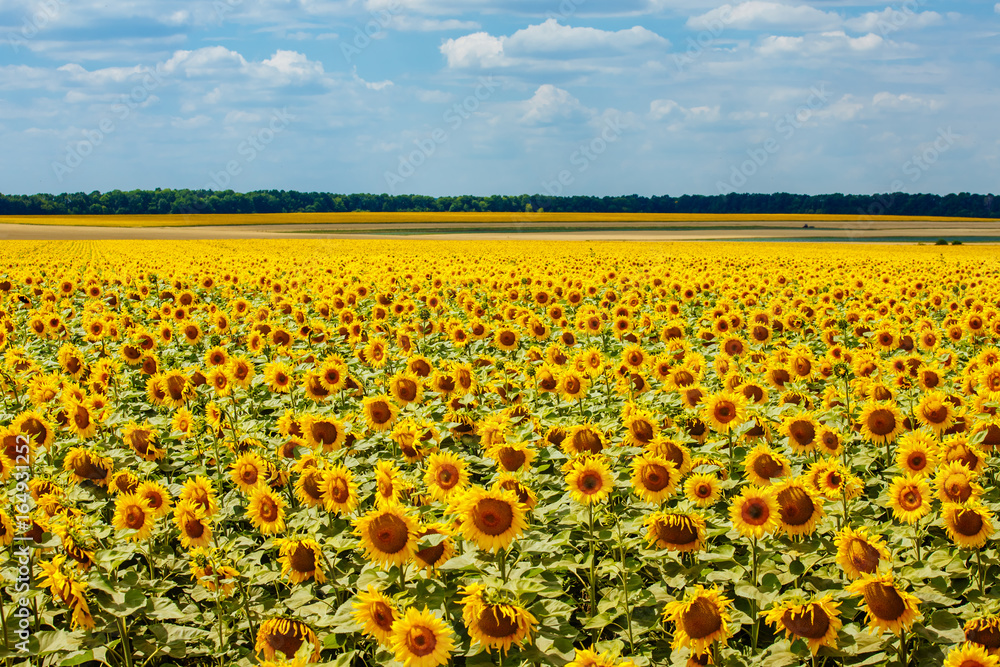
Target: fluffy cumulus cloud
(549,39)
(760,15)
(550,104)
(822,44)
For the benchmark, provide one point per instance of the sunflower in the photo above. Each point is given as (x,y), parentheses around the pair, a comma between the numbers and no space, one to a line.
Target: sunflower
(799,508)
(495,621)
(984,631)
(573,385)
(703,489)
(802,431)
(910,498)
(279,377)
(123,481)
(388,535)
(763,465)
(512,457)
(211,575)
(492,519)
(675,531)
(195,527)
(80,420)
(301,560)
(956,484)
(968,525)
(33,425)
(755,512)
(700,619)
(589,479)
(583,439)
(889,607)
(508,482)
(816,622)
(881,422)
(917,454)
(86,465)
(654,478)
(724,411)
(133,513)
(323,433)
(199,490)
(641,428)
(958,448)
(970,655)
(406,387)
(309,487)
(266,510)
(672,451)
(157,496)
(66,588)
(829,478)
(389,483)
(380,412)
(376,612)
(340,493)
(433,551)
(445,475)
(935,411)
(285,635)
(860,553)
(421,639)
(247,471)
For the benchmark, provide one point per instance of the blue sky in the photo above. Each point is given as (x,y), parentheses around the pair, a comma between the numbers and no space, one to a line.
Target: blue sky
(446,97)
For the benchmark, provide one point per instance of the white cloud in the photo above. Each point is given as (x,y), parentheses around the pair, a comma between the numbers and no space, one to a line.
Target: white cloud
(550,104)
(671,110)
(548,39)
(890,20)
(826,43)
(192,123)
(372,85)
(759,15)
(419,24)
(996,8)
(903,102)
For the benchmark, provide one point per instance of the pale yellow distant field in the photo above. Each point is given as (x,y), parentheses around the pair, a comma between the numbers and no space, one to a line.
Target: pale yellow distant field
(528,219)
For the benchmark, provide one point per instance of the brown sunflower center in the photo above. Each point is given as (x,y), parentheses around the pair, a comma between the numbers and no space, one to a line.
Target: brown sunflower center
(586,440)
(755,512)
(421,641)
(302,558)
(642,430)
(590,482)
(431,555)
(388,533)
(655,477)
(493,622)
(968,522)
(766,467)
(135,518)
(677,532)
(910,499)
(324,432)
(881,422)
(194,528)
(811,624)
(797,507)
(703,490)
(884,601)
(447,476)
(957,488)
(288,642)
(493,516)
(511,459)
(407,389)
(986,635)
(701,619)
(381,614)
(802,432)
(572,385)
(268,511)
(338,490)
(725,412)
(916,461)
(380,412)
(310,485)
(249,474)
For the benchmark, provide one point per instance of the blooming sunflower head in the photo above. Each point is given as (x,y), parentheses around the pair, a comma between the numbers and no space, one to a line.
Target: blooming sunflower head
(889,607)
(816,622)
(701,618)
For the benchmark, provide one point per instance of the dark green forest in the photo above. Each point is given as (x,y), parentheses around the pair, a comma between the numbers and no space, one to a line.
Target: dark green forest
(137,202)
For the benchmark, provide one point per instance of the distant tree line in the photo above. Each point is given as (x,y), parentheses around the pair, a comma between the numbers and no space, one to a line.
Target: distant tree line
(138,202)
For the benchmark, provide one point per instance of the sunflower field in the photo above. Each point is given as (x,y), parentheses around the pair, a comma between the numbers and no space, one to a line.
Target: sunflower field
(498,453)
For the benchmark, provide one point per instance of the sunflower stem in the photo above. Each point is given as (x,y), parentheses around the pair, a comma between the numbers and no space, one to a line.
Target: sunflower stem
(402,577)
(753,601)
(625,576)
(902,647)
(246,610)
(979,558)
(126,649)
(593,569)
(502,564)
(916,537)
